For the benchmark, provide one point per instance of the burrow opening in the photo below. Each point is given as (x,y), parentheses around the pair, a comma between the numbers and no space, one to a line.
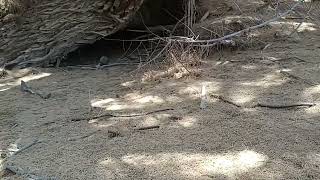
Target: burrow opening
(153,16)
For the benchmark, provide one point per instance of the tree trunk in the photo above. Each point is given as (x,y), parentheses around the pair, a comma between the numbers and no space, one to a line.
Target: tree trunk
(48,30)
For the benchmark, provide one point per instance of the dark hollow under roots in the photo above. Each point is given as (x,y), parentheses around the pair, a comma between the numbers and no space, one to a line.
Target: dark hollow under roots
(155,18)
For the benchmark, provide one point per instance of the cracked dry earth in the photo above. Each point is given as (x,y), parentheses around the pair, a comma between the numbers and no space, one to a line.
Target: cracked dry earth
(222,141)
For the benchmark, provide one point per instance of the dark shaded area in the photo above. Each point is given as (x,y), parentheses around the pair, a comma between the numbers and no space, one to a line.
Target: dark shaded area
(118,46)
(112,47)
(158,12)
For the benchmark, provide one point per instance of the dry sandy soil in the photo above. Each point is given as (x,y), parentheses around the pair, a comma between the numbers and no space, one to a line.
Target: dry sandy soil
(233,138)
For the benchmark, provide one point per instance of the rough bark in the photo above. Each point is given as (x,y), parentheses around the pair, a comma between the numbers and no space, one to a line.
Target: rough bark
(50,29)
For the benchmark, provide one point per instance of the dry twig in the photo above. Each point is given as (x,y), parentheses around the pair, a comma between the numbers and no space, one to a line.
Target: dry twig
(285,106)
(264,105)
(147,128)
(114,115)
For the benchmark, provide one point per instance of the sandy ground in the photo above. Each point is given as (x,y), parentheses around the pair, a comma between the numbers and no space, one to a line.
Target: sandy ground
(223,141)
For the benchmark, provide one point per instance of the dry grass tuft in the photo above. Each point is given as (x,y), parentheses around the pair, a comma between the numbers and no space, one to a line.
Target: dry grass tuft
(180,61)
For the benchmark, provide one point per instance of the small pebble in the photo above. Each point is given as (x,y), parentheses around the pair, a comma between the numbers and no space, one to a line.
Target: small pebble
(104,60)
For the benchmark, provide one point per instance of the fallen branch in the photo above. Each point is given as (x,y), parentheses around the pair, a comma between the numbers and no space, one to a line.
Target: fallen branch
(114,115)
(271,106)
(147,128)
(285,106)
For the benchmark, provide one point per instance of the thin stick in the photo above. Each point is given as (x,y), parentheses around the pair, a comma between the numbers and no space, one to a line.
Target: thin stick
(114,115)
(26,147)
(285,106)
(85,136)
(147,128)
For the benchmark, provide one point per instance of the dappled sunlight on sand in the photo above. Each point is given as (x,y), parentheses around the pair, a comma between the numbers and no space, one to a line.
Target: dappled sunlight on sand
(130,101)
(111,169)
(314,158)
(305,26)
(245,94)
(315,110)
(150,121)
(310,92)
(242,96)
(173,99)
(190,164)
(161,119)
(16,82)
(145,99)
(268,80)
(128,83)
(112,104)
(194,89)
(137,100)
(249,67)
(313,90)
(187,122)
